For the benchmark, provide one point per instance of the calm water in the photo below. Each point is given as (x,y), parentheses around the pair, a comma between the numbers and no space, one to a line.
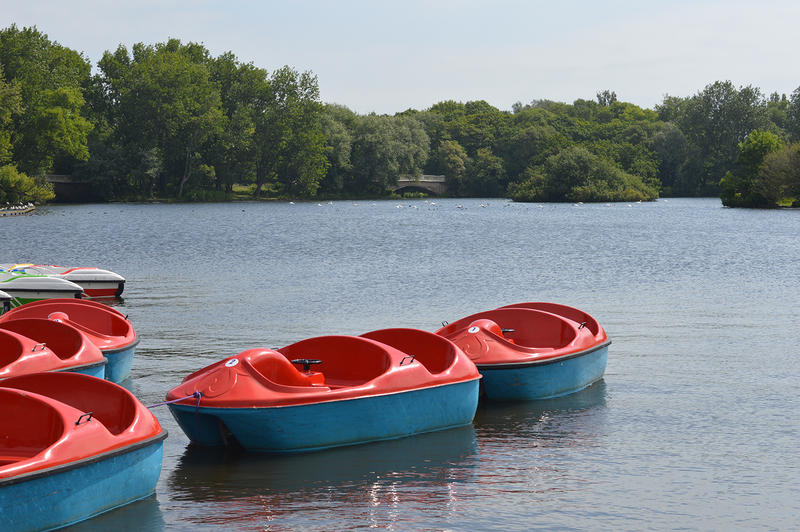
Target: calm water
(695,426)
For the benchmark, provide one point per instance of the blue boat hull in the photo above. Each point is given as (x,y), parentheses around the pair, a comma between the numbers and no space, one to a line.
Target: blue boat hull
(335,423)
(119,363)
(527,382)
(94,370)
(69,494)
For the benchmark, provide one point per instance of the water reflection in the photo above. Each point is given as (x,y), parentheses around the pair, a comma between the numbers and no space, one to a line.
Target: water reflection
(570,420)
(244,489)
(141,515)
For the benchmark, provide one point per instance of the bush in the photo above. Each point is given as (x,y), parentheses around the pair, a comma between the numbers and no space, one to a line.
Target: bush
(575,174)
(16,187)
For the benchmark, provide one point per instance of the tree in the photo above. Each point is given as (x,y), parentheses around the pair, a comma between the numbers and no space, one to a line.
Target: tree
(50,79)
(289,139)
(16,187)
(715,121)
(182,103)
(384,148)
(10,105)
(739,187)
(671,152)
(793,115)
(338,123)
(487,176)
(779,175)
(163,107)
(453,161)
(576,174)
(243,94)
(606,98)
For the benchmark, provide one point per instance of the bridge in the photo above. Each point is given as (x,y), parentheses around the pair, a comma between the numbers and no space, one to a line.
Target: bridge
(71,190)
(430,184)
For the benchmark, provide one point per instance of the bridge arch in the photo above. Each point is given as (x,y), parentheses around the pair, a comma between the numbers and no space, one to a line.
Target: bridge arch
(430,184)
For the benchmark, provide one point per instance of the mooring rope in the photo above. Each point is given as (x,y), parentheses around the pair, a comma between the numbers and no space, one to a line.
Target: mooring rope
(199,395)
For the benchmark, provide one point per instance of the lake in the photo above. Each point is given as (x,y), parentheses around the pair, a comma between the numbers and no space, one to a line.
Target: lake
(695,426)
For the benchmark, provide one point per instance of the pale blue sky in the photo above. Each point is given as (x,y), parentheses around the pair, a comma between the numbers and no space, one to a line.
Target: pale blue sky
(390,56)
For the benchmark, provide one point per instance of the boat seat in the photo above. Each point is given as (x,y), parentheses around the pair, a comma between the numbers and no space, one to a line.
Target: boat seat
(278,369)
(431,350)
(28,426)
(108,403)
(346,360)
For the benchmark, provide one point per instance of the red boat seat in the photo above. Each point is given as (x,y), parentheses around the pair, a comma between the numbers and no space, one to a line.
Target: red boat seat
(109,403)
(434,352)
(63,340)
(346,360)
(27,426)
(278,369)
(10,349)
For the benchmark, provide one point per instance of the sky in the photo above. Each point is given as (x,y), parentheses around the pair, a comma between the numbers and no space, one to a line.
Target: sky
(389,56)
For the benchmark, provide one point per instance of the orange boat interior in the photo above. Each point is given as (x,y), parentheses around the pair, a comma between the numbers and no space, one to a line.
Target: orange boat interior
(53,418)
(63,340)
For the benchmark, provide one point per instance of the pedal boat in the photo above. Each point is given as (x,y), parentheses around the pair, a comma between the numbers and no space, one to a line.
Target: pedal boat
(34,345)
(531,351)
(72,447)
(5,302)
(106,327)
(95,282)
(379,386)
(25,288)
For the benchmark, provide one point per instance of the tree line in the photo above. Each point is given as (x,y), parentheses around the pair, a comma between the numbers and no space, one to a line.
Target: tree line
(170,120)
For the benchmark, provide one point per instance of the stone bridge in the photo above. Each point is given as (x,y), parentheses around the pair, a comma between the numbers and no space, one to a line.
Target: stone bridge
(69,190)
(430,184)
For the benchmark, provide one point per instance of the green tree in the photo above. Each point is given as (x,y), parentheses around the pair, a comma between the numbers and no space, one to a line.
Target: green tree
(779,176)
(384,148)
(182,103)
(290,141)
(778,112)
(10,105)
(793,115)
(16,187)
(50,79)
(243,93)
(487,175)
(576,174)
(337,124)
(164,107)
(715,121)
(671,152)
(739,187)
(453,162)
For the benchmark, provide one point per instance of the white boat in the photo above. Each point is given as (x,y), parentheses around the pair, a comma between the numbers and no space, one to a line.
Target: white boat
(5,302)
(26,288)
(95,282)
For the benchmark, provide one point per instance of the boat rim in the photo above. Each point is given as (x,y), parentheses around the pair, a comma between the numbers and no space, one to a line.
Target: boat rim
(31,475)
(542,361)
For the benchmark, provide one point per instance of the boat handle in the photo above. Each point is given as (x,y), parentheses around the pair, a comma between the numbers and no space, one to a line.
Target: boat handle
(504,331)
(582,325)
(87,415)
(445,323)
(41,347)
(403,361)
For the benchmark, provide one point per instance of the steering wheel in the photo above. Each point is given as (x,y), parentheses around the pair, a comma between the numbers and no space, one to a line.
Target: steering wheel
(306,362)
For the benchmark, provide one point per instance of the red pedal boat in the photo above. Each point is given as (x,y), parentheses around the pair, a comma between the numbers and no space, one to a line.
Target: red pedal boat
(532,350)
(34,345)
(71,447)
(106,327)
(329,391)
